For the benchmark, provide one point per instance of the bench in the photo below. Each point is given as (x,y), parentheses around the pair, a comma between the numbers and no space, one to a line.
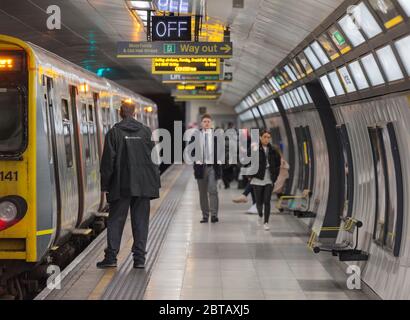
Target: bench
(299,205)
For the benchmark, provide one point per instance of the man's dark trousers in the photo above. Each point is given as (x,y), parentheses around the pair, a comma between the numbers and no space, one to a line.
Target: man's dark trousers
(140,211)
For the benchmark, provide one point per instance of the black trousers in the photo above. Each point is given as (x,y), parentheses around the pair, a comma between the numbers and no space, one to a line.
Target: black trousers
(140,210)
(263,196)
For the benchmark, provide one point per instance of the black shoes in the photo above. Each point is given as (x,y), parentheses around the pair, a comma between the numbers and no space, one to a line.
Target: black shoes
(105,264)
(214,220)
(204,220)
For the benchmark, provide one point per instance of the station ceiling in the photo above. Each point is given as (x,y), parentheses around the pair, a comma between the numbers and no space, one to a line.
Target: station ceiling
(263,32)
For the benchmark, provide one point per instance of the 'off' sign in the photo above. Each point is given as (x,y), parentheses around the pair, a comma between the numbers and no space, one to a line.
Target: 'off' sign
(171,28)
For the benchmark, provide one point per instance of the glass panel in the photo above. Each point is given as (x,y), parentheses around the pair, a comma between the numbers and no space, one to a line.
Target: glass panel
(387,12)
(295,72)
(389,64)
(85,131)
(289,100)
(274,84)
(298,98)
(286,77)
(11,121)
(328,46)
(319,52)
(284,102)
(403,47)
(405,4)
(339,40)
(366,21)
(274,106)
(372,70)
(64,110)
(68,145)
(307,94)
(358,75)
(305,63)
(336,83)
(299,68)
(346,80)
(312,58)
(351,30)
(327,86)
(303,95)
(290,73)
(292,99)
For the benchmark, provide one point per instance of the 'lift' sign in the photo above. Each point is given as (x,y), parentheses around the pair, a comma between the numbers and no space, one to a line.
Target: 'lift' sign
(174,28)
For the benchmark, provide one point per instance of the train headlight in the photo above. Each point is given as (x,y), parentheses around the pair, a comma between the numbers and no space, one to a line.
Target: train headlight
(12,210)
(8,211)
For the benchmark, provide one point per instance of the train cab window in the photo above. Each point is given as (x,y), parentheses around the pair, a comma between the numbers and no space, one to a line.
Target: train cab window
(339,40)
(346,80)
(389,64)
(387,12)
(403,48)
(389,188)
(372,70)
(358,75)
(327,86)
(366,20)
(67,133)
(12,121)
(405,4)
(314,61)
(351,30)
(334,79)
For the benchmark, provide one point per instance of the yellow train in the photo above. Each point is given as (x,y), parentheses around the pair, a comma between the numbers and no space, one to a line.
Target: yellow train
(53,119)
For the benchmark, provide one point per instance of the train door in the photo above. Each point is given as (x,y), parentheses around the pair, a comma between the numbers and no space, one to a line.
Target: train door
(78,141)
(347,172)
(389,188)
(52,138)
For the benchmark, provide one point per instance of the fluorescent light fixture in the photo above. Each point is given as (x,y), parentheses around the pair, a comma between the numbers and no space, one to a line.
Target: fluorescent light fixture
(146,5)
(389,63)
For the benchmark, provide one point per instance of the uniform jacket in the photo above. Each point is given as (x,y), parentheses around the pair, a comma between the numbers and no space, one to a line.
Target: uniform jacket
(126,165)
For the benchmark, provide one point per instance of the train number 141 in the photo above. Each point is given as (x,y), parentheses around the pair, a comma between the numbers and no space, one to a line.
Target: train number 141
(9,176)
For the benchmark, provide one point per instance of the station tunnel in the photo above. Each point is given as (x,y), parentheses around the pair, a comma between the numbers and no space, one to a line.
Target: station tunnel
(323,217)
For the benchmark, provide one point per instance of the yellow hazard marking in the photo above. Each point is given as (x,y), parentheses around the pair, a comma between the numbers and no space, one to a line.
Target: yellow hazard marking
(393,22)
(44,232)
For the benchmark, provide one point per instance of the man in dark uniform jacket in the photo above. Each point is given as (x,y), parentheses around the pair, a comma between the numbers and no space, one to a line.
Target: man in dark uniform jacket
(130,180)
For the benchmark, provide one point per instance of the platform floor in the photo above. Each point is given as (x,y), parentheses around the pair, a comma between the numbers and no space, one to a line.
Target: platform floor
(237,259)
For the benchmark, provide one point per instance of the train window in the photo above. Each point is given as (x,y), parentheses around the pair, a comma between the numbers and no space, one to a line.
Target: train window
(328,46)
(307,94)
(405,4)
(334,79)
(327,86)
(389,64)
(314,61)
(351,30)
(339,40)
(12,127)
(85,132)
(366,20)
(320,53)
(403,48)
(67,133)
(389,188)
(372,70)
(90,113)
(358,75)
(305,63)
(303,95)
(299,68)
(387,12)
(92,132)
(346,80)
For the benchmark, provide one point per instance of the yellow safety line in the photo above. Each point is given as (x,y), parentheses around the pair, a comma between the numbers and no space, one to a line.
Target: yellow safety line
(44,232)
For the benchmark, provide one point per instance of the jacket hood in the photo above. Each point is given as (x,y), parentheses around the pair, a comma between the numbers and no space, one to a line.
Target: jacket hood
(129,124)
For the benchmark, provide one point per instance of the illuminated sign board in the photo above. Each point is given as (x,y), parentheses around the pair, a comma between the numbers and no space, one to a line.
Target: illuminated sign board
(196,97)
(10,62)
(177,78)
(171,28)
(202,65)
(194,86)
(174,49)
(180,6)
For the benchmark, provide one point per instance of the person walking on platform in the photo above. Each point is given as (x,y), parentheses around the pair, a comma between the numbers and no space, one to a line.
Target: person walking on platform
(208,172)
(265,178)
(130,179)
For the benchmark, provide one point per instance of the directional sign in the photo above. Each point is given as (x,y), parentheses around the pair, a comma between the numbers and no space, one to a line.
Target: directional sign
(176,93)
(174,49)
(186,65)
(176,78)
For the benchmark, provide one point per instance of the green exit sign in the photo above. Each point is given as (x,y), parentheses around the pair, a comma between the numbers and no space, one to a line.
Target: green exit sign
(170,48)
